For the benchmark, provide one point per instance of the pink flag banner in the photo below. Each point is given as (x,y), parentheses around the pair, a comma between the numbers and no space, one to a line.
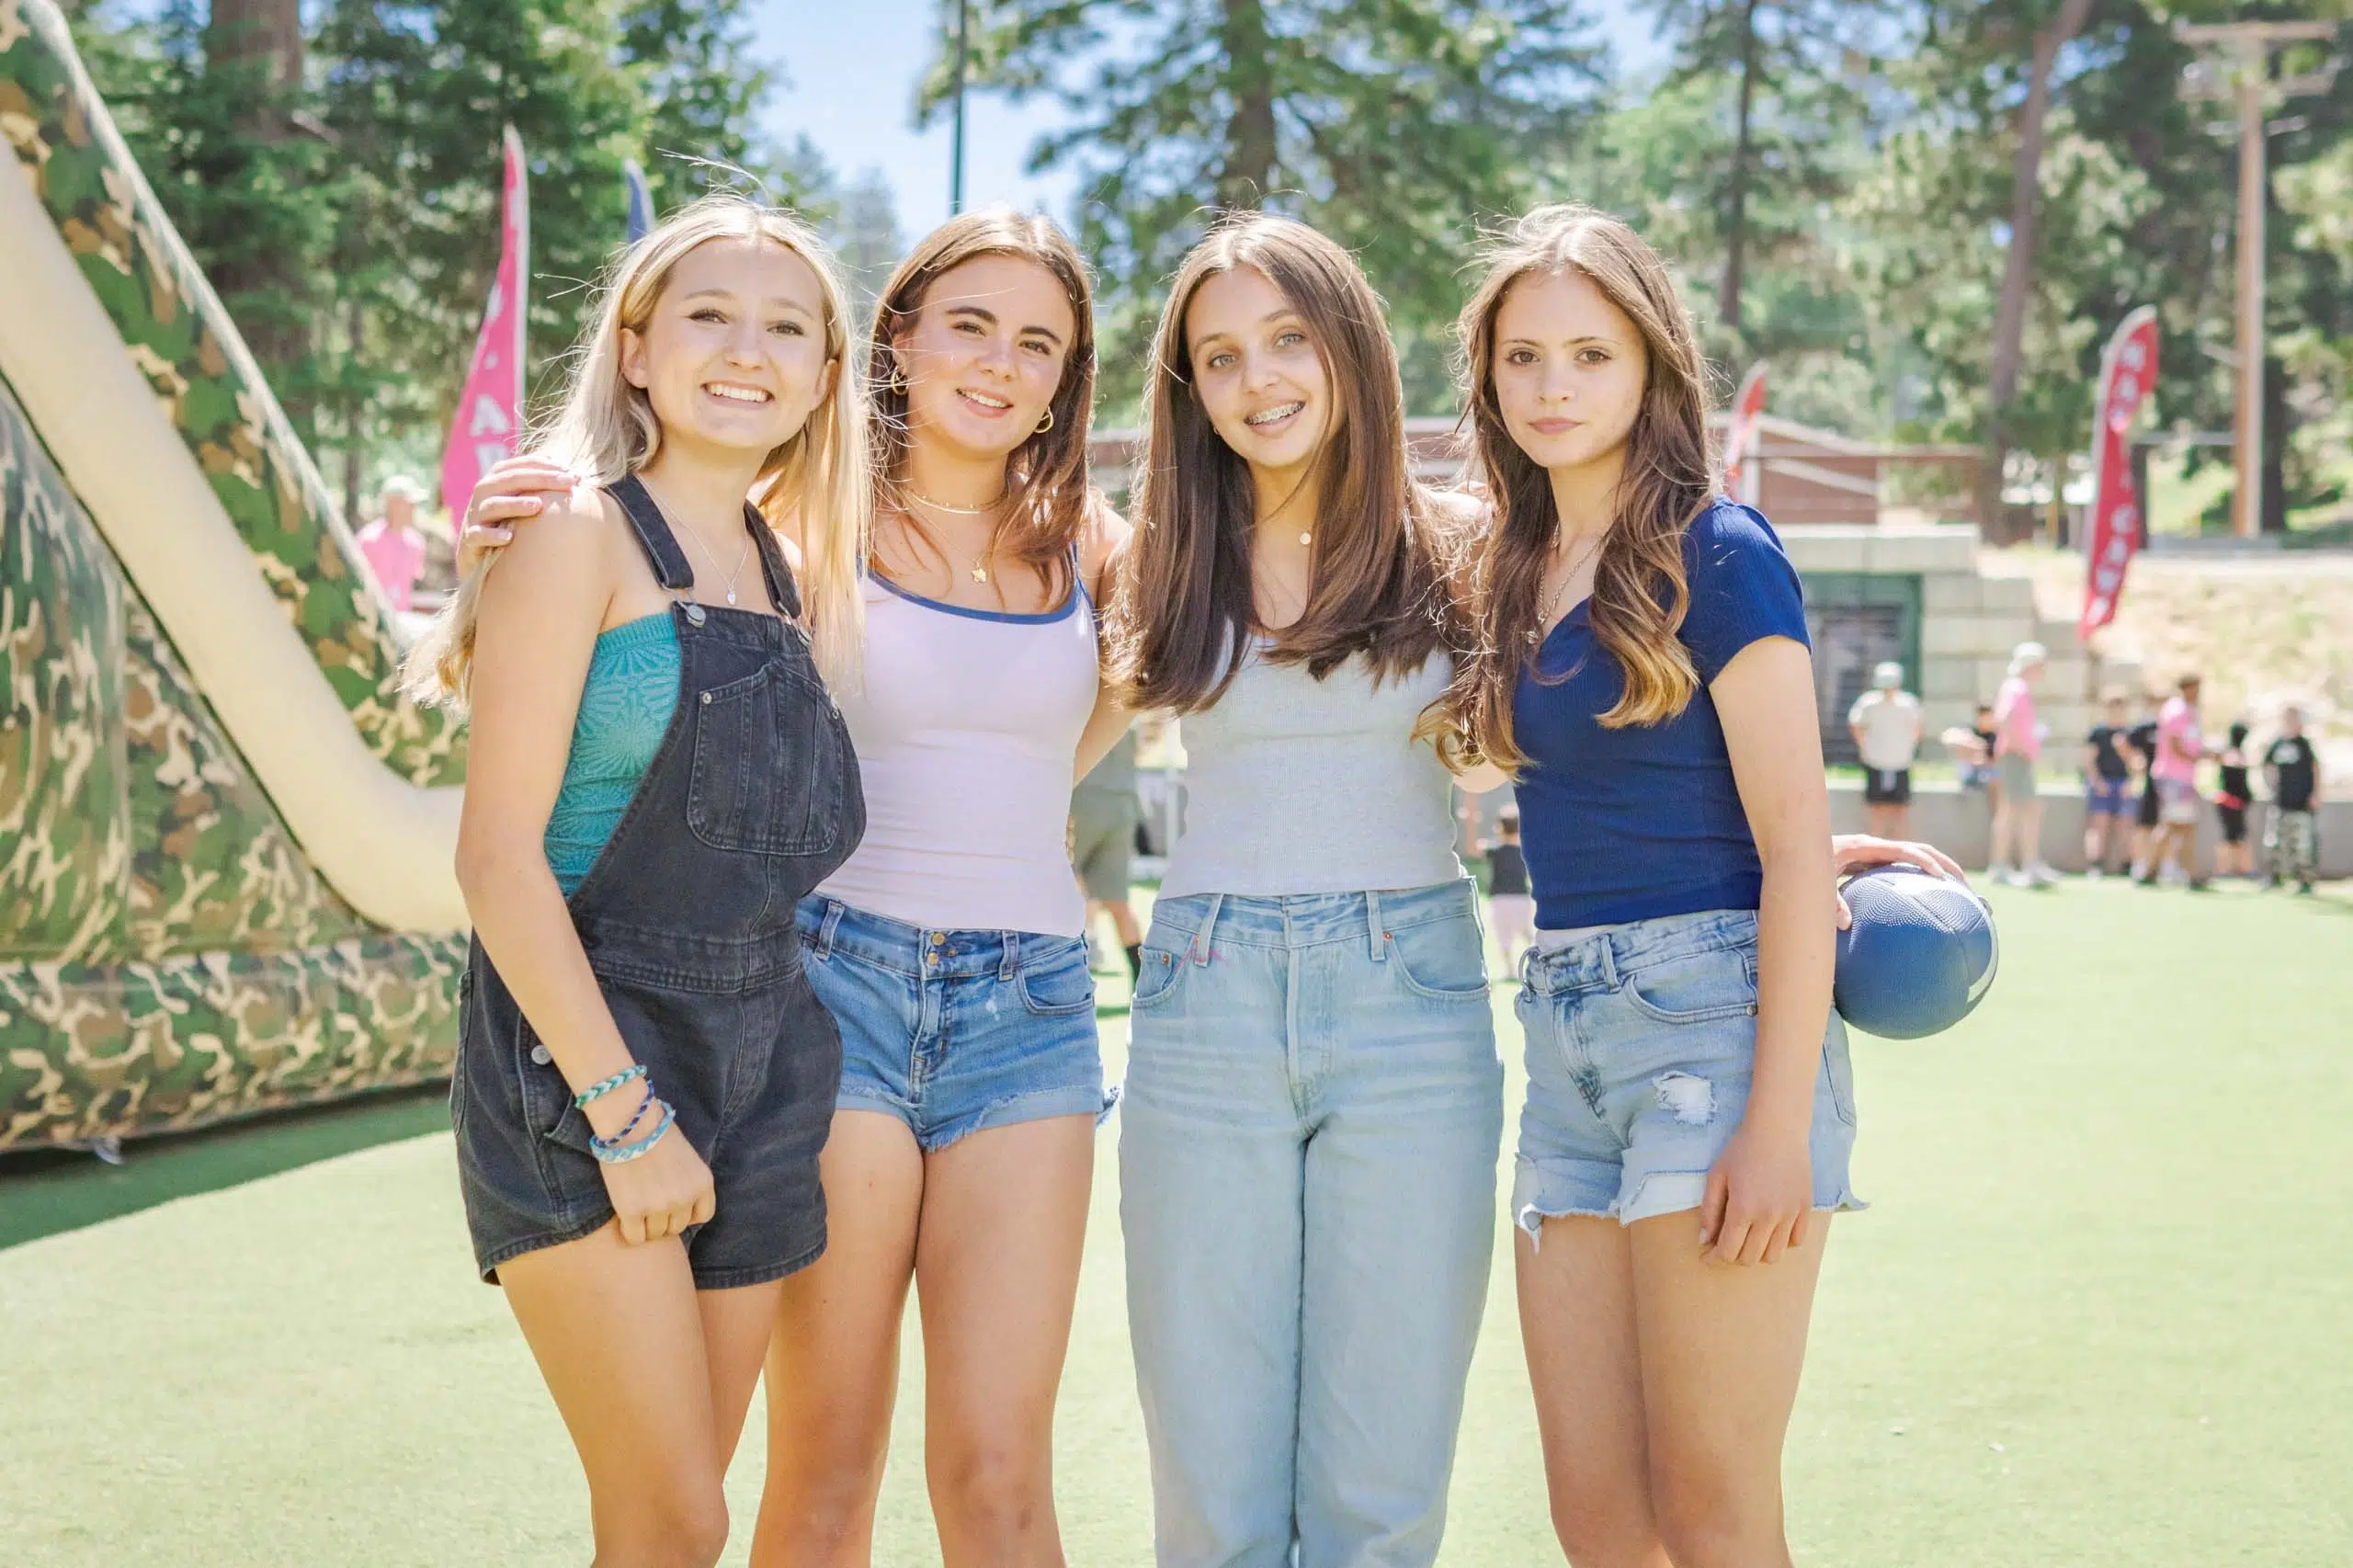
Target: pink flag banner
(2127,371)
(490,409)
(1743,481)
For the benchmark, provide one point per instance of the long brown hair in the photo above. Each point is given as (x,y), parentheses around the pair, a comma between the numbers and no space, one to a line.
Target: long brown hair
(1046,475)
(1185,615)
(1640,592)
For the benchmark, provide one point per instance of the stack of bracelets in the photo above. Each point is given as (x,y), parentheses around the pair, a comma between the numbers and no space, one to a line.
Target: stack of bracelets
(617,1150)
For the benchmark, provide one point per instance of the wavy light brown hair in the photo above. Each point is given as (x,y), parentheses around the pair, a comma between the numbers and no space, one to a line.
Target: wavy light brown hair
(1184,613)
(1640,592)
(1046,475)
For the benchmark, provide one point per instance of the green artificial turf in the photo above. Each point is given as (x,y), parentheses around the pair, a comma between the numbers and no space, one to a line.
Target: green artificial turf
(2101,1313)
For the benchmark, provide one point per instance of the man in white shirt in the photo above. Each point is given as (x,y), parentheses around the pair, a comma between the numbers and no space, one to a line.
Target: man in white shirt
(1885,721)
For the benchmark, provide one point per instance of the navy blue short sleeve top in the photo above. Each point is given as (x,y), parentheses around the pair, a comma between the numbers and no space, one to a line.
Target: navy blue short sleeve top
(1645,821)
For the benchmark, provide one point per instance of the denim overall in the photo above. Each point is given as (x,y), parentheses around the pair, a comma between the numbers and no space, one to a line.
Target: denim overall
(687,919)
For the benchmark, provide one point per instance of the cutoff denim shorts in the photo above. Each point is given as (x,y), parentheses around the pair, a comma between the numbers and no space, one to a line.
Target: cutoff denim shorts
(954,1032)
(1641,1040)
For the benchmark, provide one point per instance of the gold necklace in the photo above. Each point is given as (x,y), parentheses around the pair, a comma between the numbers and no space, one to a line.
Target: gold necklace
(979,567)
(949,506)
(1552,600)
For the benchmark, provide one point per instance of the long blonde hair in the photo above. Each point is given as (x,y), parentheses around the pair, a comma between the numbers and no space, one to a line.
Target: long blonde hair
(606,429)
(1639,591)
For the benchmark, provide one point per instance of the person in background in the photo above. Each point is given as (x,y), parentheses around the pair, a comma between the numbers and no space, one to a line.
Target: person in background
(2181,745)
(392,543)
(2017,746)
(1103,817)
(2235,858)
(1511,908)
(2141,744)
(2291,769)
(2107,785)
(1885,722)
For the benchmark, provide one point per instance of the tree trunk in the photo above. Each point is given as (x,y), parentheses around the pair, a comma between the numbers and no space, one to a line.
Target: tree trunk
(2018,272)
(1737,227)
(259,43)
(1250,133)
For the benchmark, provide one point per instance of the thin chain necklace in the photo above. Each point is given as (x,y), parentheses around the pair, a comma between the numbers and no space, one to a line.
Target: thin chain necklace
(695,540)
(980,568)
(939,506)
(1552,600)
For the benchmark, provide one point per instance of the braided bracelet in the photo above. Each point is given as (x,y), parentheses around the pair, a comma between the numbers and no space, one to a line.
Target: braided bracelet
(618,1153)
(648,1103)
(603,1086)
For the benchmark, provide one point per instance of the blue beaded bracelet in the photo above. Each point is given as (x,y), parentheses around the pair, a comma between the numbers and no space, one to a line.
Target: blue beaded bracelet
(603,1086)
(618,1153)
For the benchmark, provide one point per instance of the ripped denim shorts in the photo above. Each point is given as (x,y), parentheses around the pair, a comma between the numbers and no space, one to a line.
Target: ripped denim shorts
(1641,1039)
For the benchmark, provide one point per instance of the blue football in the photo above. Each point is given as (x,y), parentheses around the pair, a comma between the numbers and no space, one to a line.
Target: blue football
(1920,955)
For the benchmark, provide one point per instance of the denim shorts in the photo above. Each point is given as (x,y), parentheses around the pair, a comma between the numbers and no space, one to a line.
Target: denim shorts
(954,1032)
(2108,797)
(1641,1039)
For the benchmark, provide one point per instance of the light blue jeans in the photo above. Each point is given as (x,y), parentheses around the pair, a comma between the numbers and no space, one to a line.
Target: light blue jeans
(1307,1169)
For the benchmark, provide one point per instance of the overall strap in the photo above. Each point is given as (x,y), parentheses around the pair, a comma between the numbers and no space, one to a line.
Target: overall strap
(671,567)
(783,592)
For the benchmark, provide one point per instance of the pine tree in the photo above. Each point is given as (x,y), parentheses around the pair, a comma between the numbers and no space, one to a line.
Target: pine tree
(1396,128)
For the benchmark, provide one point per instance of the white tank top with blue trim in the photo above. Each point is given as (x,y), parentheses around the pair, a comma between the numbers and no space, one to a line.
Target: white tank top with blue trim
(966,730)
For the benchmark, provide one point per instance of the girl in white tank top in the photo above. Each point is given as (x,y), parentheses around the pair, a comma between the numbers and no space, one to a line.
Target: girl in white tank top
(949,948)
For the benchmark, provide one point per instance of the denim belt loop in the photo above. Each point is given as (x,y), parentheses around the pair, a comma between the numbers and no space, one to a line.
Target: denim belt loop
(824,944)
(1199,947)
(1609,975)
(1376,935)
(1008,963)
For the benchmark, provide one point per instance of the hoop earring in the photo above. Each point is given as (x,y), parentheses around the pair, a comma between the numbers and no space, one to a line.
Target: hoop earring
(1049,423)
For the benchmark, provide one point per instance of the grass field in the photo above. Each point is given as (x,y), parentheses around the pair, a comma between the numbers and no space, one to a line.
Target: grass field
(2101,1312)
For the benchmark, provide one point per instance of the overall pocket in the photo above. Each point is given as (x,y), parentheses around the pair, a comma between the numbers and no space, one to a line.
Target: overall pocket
(771,767)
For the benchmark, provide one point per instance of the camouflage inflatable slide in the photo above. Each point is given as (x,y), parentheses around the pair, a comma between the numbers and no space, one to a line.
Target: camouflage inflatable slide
(226,841)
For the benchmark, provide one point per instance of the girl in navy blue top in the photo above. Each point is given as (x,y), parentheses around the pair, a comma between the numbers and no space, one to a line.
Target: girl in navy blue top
(1644,673)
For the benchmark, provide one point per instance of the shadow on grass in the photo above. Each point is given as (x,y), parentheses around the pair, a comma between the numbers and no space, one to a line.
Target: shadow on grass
(45,1191)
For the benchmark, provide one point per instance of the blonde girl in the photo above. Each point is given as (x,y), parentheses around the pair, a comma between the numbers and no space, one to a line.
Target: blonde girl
(948,946)
(645,1078)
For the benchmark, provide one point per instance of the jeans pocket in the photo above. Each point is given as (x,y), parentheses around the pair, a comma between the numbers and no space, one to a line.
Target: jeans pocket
(1441,960)
(1057,985)
(1157,976)
(1695,988)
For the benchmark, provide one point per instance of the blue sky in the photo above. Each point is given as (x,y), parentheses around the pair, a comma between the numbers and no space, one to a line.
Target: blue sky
(853,65)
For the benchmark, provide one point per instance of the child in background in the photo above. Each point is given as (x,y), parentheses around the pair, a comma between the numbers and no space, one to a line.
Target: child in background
(2291,840)
(1885,722)
(2141,741)
(2181,747)
(1512,908)
(2108,785)
(2236,856)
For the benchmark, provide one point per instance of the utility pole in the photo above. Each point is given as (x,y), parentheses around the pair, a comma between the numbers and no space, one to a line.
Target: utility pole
(956,151)
(2244,76)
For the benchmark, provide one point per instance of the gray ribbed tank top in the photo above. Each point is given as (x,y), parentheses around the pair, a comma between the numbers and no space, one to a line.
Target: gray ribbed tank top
(1296,785)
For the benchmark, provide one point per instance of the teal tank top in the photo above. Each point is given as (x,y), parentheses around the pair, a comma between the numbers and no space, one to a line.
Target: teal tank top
(625,707)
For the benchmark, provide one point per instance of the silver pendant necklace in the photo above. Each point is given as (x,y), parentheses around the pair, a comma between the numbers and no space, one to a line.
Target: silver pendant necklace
(740,561)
